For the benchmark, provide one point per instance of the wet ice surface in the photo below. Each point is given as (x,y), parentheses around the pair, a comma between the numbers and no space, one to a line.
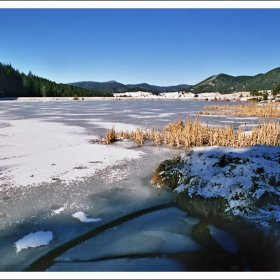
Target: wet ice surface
(227,241)
(122,265)
(52,206)
(163,231)
(113,190)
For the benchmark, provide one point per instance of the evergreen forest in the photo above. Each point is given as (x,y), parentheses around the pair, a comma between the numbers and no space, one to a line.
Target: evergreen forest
(15,84)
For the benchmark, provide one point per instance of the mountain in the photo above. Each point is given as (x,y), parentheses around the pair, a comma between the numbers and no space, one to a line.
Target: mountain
(115,87)
(158,89)
(227,84)
(111,86)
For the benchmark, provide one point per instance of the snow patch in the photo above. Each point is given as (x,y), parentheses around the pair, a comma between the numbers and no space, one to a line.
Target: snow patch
(33,240)
(58,211)
(83,217)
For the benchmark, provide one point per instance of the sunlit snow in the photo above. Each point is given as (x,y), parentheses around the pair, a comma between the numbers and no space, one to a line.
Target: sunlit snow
(32,156)
(239,175)
(83,217)
(58,211)
(33,240)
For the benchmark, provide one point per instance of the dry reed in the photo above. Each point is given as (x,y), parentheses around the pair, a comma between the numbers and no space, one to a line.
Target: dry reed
(110,136)
(248,110)
(193,134)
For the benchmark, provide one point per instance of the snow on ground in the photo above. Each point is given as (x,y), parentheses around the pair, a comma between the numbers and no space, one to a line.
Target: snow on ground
(182,95)
(33,240)
(240,175)
(83,217)
(142,95)
(34,151)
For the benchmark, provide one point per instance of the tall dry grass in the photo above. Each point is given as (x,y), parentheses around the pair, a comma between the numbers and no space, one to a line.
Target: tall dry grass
(193,134)
(246,110)
(111,136)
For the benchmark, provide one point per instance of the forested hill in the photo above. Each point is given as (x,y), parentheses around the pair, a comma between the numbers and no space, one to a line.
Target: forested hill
(227,84)
(16,84)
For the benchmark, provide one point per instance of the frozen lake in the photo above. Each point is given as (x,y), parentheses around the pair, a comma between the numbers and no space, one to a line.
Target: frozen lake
(58,184)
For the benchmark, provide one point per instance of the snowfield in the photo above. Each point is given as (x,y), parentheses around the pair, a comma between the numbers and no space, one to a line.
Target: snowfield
(34,151)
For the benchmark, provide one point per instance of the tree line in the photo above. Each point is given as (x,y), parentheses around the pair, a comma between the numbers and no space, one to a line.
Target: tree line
(16,84)
(264,94)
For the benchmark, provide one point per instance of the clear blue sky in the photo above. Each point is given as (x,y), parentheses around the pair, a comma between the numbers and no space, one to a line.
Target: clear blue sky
(159,46)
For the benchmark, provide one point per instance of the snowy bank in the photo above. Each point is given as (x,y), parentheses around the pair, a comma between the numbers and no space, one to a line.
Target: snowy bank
(229,182)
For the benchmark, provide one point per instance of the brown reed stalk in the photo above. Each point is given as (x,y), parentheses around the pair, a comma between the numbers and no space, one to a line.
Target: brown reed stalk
(110,136)
(249,110)
(193,134)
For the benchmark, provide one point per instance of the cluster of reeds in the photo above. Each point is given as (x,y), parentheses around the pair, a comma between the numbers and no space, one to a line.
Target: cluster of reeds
(193,134)
(139,136)
(111,136)
(248,110)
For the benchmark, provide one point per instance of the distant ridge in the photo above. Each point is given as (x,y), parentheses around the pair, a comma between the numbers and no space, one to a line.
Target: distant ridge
(109,87)
(221,83)
(224,83)
(115,87)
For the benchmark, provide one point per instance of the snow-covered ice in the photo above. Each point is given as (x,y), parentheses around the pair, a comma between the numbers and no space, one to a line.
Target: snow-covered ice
(34,151)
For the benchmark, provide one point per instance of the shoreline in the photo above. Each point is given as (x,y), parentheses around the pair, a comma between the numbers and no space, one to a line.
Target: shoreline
(144,96)
(114,99)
